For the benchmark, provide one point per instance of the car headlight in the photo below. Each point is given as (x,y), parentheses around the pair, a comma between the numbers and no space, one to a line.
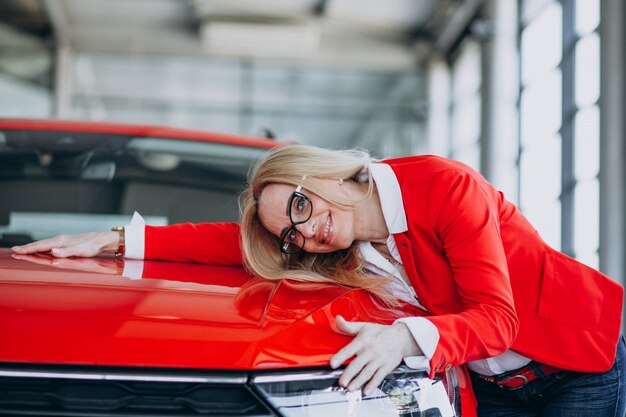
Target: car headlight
(405,392)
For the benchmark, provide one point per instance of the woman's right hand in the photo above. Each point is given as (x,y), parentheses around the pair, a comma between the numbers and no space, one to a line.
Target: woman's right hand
(83,245)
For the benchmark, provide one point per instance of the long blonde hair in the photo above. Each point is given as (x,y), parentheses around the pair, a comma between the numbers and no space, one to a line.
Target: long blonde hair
(289,165)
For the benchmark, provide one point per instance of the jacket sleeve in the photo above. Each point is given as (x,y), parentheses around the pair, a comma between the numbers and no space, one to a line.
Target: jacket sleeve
(463,211)
(209,243)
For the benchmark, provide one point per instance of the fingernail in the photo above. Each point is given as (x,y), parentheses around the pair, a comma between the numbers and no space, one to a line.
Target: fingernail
(16,248)
(56,251)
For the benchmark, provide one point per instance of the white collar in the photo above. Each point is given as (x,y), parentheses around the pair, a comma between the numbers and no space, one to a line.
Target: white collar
(390,197)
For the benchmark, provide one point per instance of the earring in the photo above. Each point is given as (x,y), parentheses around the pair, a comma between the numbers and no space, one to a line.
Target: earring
(340,181)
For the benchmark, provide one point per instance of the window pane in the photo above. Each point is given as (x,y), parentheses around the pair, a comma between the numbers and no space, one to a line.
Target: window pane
(540,186)
(587,16)
(530,9)
(546,219)
(23,99)
(469,155)
(327,106)
(541,109)
(541,44)
(540,173)
(590,259)
(466,71)
(465,109)
(586,217)
(587,143)
(587,70)
(466,122)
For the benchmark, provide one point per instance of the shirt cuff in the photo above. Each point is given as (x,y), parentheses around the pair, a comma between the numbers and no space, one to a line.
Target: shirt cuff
(426,336)
(134,234)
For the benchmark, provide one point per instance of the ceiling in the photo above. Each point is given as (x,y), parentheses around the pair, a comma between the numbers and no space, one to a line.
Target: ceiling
(334,73)
(365,33)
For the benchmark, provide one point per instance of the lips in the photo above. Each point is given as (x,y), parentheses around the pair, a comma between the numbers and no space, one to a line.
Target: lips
(326,232)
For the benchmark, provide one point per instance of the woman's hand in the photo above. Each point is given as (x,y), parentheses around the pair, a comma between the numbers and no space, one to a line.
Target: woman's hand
(378,350)
(83,245)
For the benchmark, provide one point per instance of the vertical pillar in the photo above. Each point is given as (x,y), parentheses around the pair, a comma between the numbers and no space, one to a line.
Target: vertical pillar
(568,114)
(439,107)
(500,91)
(613,139)
(63,82)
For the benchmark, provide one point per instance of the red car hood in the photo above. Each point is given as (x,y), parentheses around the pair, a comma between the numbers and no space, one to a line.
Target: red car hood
(178,315)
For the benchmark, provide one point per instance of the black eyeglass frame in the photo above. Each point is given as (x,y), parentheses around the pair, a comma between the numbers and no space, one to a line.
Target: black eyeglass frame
(284,244)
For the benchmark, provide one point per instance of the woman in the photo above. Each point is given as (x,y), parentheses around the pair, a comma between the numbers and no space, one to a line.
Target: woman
(538,330)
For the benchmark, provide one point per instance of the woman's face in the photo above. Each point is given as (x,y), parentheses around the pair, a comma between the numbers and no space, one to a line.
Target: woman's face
(330,227)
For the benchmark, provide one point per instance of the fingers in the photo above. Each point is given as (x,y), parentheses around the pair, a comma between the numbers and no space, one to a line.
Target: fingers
(365,374)
(345,353)
(377,350)
(376,380)
(40,246)
(82,250)
(348,328)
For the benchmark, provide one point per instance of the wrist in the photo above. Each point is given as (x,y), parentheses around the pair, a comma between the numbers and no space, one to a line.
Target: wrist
(410,346)
(111,241)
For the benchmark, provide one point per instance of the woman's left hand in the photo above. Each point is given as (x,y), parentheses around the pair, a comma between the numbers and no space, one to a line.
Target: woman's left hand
(378,348)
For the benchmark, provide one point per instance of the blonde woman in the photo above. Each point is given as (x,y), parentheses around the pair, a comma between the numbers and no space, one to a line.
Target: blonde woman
(538,330)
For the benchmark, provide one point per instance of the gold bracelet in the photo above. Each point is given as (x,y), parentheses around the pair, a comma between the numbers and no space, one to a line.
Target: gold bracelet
(121,246)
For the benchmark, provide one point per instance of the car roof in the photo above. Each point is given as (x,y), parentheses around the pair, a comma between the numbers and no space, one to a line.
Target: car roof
(135,130)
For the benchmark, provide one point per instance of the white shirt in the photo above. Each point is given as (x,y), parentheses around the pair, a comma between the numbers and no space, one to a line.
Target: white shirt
(424,331)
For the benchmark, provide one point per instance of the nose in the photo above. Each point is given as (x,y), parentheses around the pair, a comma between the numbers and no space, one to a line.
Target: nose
(307,228)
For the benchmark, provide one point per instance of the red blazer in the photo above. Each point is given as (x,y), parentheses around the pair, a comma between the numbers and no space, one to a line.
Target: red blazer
(477,265)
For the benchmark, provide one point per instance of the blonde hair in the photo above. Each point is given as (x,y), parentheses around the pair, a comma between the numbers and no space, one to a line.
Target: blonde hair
(301,165)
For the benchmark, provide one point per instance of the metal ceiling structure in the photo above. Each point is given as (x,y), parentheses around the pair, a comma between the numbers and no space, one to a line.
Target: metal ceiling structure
(334,73)
(353,32)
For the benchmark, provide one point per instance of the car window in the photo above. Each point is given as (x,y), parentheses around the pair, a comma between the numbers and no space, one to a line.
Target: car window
(69,182)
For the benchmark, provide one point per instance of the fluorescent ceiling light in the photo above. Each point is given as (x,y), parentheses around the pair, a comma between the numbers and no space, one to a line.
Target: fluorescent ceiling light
(254,38)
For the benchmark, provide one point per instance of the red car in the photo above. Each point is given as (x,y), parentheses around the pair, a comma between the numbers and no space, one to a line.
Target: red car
(79,338)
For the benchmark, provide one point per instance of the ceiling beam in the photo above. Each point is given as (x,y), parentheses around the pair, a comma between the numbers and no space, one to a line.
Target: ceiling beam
(456,25)
(60,21)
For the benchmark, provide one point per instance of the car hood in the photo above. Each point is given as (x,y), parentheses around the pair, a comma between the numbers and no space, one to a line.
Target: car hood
(83,311)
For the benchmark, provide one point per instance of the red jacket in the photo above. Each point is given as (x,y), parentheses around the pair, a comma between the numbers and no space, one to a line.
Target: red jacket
(477,265)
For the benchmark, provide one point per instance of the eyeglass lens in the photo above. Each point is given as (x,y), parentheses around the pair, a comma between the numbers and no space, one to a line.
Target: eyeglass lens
(300,209)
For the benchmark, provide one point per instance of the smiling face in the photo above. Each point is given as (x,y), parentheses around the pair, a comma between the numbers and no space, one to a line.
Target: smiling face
(330,228)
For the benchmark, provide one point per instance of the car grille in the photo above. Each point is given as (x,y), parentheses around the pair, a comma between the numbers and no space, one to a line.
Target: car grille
(84,392)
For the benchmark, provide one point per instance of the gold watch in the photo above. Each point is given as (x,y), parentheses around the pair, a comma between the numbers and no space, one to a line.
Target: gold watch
(121,246)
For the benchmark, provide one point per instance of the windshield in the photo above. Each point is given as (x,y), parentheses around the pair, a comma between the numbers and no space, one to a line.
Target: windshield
(71,182)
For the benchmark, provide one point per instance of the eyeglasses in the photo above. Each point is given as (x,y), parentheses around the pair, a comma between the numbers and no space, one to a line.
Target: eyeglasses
(299,209)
